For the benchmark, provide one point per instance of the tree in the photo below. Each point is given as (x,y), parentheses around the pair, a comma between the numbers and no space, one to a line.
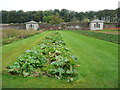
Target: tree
(86,20)
(56,11)
(20,16)
(80,16)
(4,16)
(74,19)
(12,17)
(56,19)
(64,14)
(118,15)
(47,19)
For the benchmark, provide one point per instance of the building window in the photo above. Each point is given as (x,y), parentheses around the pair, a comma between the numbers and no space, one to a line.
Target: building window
(97,25)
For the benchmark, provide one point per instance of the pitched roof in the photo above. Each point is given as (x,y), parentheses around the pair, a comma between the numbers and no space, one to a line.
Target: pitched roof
(31,22)
(96,20)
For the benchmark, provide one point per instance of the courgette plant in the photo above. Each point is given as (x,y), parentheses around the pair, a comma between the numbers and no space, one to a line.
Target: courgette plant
(50,58)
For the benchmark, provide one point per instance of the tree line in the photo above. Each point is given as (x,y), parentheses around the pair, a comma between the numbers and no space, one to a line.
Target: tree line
(57,16)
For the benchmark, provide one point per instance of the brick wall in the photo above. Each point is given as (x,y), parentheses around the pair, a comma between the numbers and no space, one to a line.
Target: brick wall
(111,26)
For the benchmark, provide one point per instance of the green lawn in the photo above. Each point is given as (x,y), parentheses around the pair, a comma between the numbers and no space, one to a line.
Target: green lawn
(11,51)
(98,61)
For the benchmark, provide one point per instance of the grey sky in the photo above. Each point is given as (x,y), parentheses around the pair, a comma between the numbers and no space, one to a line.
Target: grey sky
(119,4)
(76,5)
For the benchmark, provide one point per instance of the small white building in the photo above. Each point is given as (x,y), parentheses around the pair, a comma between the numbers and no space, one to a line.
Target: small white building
(32,25)
(96,25)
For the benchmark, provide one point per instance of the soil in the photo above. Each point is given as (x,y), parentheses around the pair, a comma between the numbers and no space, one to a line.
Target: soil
(107,32)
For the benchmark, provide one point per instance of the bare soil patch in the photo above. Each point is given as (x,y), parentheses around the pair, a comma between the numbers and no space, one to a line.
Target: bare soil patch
(107,32)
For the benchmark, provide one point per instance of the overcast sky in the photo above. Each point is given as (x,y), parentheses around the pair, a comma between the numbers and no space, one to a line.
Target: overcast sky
(76,5)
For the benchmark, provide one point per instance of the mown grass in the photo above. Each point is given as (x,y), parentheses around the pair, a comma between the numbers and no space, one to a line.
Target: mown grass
(98,61)
(103,36)
(11,51)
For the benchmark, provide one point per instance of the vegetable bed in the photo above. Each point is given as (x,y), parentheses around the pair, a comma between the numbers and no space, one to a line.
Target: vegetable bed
(103,36)
(50,58)
(98,61)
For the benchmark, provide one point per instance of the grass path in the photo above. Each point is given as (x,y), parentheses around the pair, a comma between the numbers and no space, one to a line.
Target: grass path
(11,51)
(98,60)
(98,63)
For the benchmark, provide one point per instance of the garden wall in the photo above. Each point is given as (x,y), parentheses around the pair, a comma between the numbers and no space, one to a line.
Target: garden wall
(111,26)
(64,26)
(12,26)
(86,26)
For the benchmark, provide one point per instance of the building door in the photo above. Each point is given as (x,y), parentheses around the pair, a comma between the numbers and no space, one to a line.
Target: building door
(97,26)
(30,25)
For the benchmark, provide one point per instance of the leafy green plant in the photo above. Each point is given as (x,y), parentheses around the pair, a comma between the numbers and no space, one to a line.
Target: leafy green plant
(50,58)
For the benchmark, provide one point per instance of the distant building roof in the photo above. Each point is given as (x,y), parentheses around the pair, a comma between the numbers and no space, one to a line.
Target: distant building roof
(94,21)
(31,22)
